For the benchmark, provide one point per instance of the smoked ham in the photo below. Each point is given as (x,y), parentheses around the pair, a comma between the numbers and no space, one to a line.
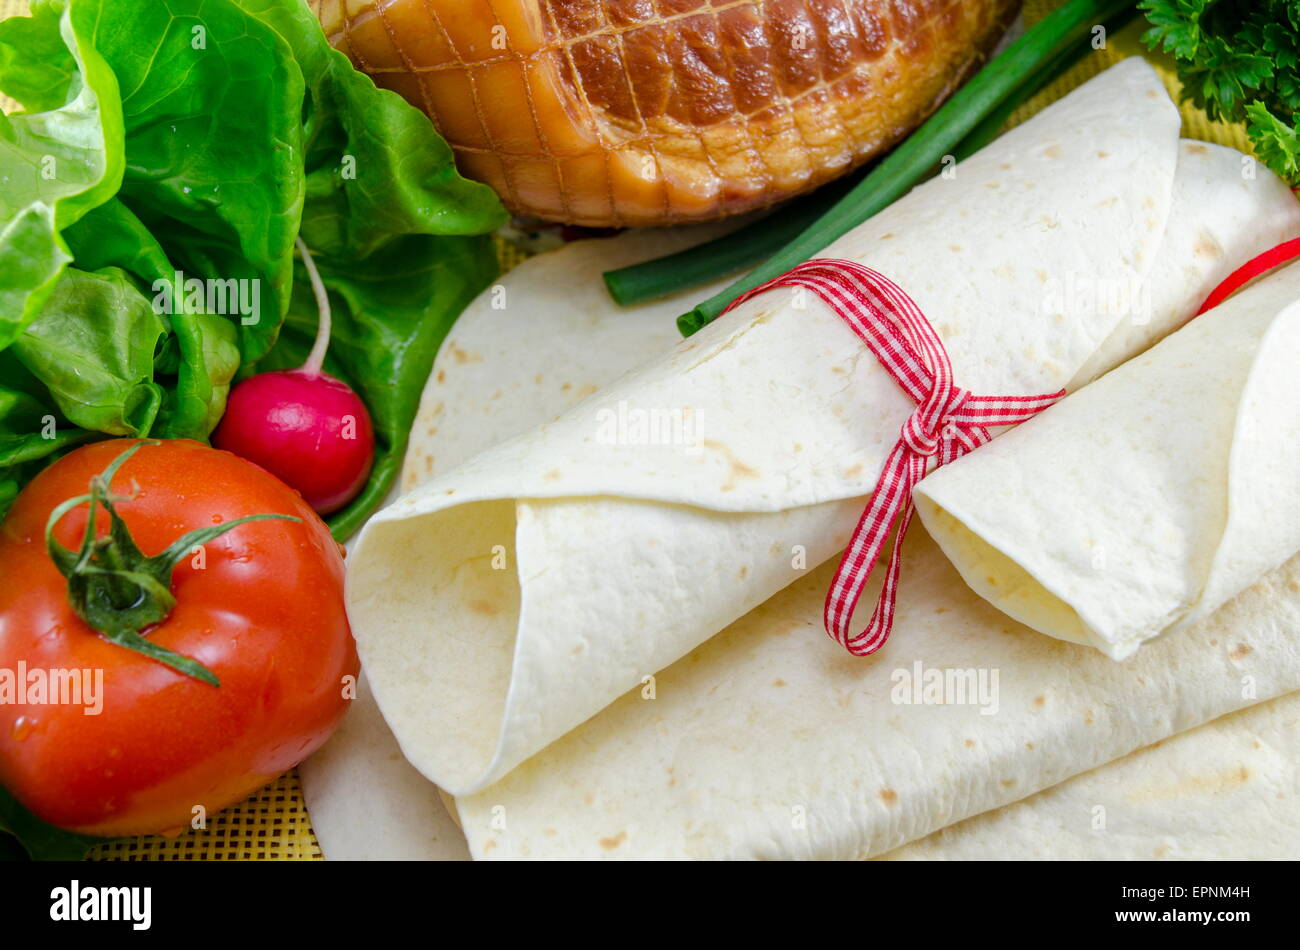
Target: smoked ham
(645,112)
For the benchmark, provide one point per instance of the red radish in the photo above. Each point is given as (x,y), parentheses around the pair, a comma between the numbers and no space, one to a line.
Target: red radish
(302,425)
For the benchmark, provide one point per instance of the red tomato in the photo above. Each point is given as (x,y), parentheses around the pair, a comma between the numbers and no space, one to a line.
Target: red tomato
(261,607)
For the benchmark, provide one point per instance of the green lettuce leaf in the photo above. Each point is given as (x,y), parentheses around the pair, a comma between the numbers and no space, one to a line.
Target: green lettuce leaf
(211,106)
(376,167)
(202,356)
(92,347)
(199,138)
(60,158)
(32,434)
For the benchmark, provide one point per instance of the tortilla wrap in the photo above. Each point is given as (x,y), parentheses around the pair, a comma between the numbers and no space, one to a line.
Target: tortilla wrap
(769,742)
(1225,791)
(360,781)
(502,603)
(1220,791)
(1144,502)
(528,366)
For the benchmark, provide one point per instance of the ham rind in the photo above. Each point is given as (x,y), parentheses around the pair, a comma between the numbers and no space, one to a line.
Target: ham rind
(645,112)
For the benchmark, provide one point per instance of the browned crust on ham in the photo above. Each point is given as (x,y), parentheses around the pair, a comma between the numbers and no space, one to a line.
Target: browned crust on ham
(642,112)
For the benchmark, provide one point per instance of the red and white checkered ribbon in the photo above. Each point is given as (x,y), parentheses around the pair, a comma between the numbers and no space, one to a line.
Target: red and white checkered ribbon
(948,423)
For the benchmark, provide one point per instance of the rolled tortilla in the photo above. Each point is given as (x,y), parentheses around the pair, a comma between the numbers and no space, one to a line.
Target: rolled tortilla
(1224,791)
(499,605)
(1216,792)
(366,800)
(771,742)
(1146,501)
(504,370)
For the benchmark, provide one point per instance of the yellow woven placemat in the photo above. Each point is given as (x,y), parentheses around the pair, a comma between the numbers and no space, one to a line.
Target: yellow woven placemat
(273,825)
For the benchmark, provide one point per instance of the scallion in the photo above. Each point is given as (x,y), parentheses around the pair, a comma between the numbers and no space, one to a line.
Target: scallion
(937,137)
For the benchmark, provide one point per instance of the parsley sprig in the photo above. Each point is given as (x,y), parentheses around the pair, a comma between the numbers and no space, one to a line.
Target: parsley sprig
(1239,60)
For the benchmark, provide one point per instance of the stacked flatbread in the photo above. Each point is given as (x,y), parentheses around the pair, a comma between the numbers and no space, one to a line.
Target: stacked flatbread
(505,607)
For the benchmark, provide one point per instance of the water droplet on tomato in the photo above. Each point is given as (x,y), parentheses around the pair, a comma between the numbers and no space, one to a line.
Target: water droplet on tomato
(22,728)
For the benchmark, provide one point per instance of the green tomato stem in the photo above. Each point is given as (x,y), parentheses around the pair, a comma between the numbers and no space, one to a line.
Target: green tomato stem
(113,586)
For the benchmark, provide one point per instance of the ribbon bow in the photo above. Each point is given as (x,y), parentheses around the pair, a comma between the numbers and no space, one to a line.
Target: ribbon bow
(948,422)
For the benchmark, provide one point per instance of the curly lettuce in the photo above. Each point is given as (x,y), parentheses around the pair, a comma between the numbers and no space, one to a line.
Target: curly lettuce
(203,137)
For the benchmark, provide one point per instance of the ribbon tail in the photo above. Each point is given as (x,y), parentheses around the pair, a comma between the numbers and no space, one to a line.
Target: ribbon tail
(859,558)
(876,633)
(892,501)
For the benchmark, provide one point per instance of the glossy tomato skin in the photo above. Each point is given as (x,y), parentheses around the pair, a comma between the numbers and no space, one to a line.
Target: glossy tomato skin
(261,607)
